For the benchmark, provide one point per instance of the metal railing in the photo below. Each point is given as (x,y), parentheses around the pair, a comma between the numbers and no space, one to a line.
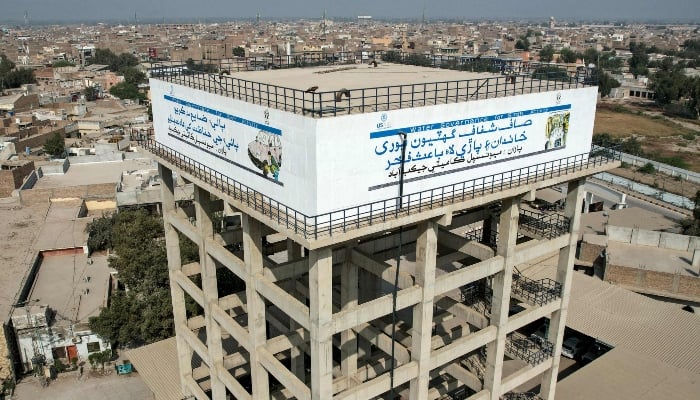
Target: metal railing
(527,350)
(477,295)
(351,218)
(539,292)
(544,225)
(476,362)
(520,80)
(521,396)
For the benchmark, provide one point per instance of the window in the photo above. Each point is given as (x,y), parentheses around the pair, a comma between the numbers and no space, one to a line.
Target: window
(93,347)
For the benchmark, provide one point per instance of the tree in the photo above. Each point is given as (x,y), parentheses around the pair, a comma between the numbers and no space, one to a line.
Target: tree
(133,75)
(691,226)
(547,53)
(100,232)
(522,44)
(550,72)
(62,63)
(113,61)
(55,145)
(591,55)
(125,90)
(144,313)
(605,83)
(11,77)
(239,51)
(91,93)
(669,82)
(568,56)
(639,60)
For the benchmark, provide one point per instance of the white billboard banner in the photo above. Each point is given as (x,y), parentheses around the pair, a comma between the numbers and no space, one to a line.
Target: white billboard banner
(319,165)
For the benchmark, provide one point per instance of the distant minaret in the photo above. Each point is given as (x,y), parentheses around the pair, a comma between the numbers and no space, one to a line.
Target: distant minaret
(422,21)
(26,18)
(323,24)
(257,19)
(552,23)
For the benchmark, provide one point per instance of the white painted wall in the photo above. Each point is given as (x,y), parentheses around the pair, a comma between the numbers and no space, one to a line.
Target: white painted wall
(338,162)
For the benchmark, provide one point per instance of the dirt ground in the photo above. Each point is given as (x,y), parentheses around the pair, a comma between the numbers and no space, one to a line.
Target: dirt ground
(658,134)
(68,386)
(661,181)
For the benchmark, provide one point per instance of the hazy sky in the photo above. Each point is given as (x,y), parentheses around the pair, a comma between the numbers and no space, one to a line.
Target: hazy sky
(123,10)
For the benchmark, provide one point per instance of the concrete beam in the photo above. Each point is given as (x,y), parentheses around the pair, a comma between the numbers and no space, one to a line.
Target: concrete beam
(283,375)
(464,245)
(232,327)
(466,313)
(468,274)
(465,376)
(232,385)
(284,301)
(374,309)
(523,375)
(379,385)
(462,346)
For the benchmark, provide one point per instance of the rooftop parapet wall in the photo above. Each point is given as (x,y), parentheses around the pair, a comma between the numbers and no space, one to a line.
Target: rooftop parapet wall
(658,239)
(338,90)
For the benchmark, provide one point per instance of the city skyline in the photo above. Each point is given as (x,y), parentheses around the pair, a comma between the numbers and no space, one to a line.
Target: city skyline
(46,11)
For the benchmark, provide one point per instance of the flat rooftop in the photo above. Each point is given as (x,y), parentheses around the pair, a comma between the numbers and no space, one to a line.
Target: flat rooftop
(92,173)
(357,76)
(20,227)
(359,88)
(72,286)
(627,375)
(651,258)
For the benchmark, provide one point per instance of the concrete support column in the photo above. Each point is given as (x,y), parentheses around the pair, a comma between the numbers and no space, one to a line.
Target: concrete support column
(565,265)
(172,245)
(696,260)
(203,211)
(252,249)
(296,354)
(421,335)
(321,313)
(500,303)
(348,299)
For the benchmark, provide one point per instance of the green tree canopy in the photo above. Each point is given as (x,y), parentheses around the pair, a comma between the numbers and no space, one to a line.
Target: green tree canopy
(550,72)
(100,232)
(62,63)
(239,51)
(55,145)
(133,75)
(143,314)
(547,53)
(126,90)
(115,62)
(568,56)
(91,93)
(639,60)
(11,77)
(605,83)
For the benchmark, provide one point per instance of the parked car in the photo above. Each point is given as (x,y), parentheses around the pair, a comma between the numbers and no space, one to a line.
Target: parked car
(572,347)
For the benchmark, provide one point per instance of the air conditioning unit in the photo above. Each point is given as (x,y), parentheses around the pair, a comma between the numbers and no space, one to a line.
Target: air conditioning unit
(76,339)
